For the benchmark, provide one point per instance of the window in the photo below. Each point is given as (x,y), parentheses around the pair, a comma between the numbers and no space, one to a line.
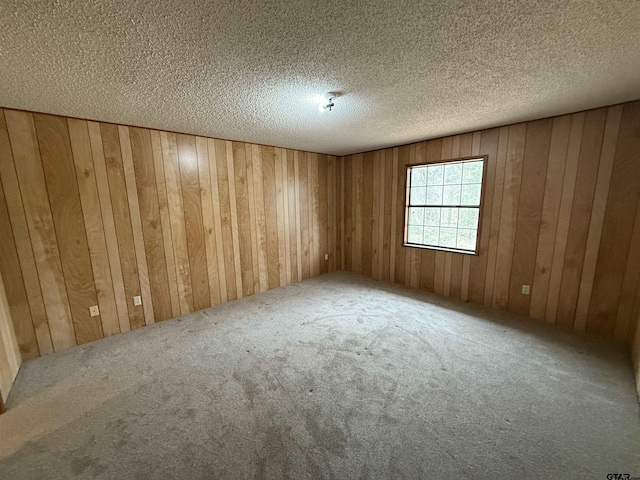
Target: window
(443,205)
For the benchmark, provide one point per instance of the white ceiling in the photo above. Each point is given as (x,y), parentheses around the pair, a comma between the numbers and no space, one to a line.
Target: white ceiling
(248,70)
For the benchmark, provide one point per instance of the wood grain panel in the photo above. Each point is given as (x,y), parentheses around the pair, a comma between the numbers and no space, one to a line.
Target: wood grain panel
(564,216)
(92,216)
(20,269)
(17,302)
(618,225)
(367,213)
(603,182)
(549,216)
(34,196)
(214,150)
(303,201)
(122,220)
(270,210)
(282,262)
(145,180)
(176,214)
(255,265)
(496,212)
(294,227)
(478,272)
(314,248)
(243,217)
(192,208)
(321,202)
(348,214)
(64,198)
(233,212)
(531,196)
(586,176)
(108,223)
(509,214)
(165,222)
(202,152)
(136,224)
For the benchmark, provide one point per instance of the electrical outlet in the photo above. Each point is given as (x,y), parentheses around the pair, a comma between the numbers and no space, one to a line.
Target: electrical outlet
(525,289)
(326,256)
(137,300)
(94,311)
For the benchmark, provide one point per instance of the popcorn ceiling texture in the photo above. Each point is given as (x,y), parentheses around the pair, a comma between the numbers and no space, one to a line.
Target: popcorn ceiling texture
(248,70)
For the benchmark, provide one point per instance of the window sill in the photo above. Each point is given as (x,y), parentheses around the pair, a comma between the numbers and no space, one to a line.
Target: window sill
(440,249)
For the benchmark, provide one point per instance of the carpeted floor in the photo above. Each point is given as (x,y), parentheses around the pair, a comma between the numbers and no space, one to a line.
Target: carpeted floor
(335,377)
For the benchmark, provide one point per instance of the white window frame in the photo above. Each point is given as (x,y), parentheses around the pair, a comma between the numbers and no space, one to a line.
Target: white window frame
(405,243)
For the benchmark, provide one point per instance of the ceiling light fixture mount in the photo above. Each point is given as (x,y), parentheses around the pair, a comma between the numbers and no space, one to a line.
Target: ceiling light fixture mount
(327,103)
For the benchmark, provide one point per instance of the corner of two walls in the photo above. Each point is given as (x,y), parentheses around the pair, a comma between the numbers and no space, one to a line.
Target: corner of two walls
(560,213)
(97,214)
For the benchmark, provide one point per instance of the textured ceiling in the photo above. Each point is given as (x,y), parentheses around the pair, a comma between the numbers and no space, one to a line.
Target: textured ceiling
(248,70)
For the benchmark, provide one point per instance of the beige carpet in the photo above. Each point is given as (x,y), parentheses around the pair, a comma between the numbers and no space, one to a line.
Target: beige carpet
(336,377)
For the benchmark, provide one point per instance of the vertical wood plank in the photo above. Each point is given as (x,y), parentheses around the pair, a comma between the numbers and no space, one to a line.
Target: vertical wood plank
(323,214)
(623,330)
(603,181)
(366,209)
(509,214)
(348,214)
(280,238)
(33,189)
(255,266)
(617,230)
(358,191)
(149,213)
(136,224)
(314,210)
(496,211)
(210,239)
(388,227)
(400,250)
(298,215)
(258,190)
(15,288)
(216,157)
(108,222)
(303,195)
(59,173)
(27,267)
(396,233)
(165,222)
(293,215)
(564,215)
(588,162)
(169,143)
(549,216)
(271,221)
(534,173)
(192,208)
(478,270)
(92,217)
(237,262)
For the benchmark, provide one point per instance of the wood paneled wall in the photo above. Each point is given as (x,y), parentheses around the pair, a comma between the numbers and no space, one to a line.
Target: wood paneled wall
(635,351)
(96,214)
(560,214)
(10,359)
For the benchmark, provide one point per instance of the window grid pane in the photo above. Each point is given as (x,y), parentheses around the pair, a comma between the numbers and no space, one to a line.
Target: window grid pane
(444,204)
